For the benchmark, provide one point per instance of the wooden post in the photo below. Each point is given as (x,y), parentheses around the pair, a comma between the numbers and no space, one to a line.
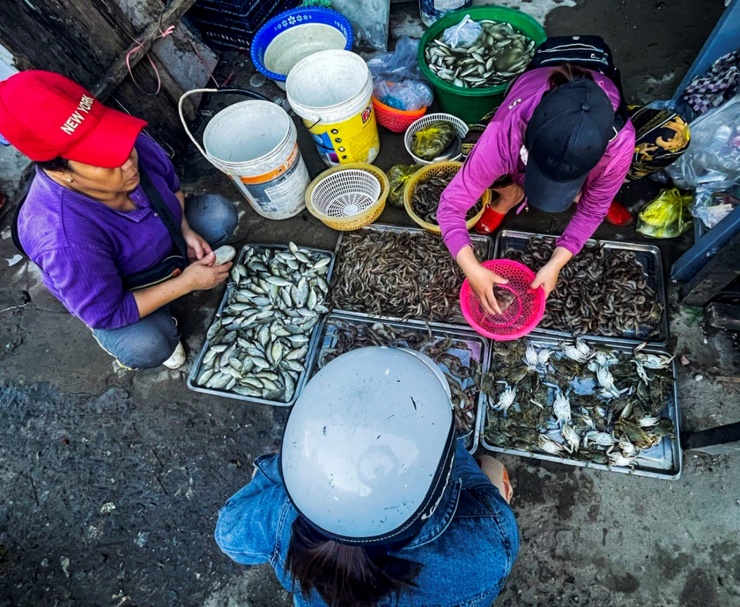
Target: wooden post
(119,70)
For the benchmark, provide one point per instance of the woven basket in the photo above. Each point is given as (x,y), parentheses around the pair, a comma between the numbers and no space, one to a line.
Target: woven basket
(395,120)
(348,196)
(460,128)
(446,168)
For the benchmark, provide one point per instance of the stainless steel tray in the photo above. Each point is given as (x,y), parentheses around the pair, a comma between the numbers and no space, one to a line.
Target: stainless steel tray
(649,257)
(662,461)
(479,346)
(195,370)
(380,227)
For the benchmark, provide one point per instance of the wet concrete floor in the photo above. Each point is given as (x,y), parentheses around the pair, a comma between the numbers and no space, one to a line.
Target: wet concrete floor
(111,480)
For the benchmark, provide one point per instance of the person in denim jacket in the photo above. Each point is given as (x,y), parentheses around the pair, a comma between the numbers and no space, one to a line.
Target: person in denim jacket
(372,501)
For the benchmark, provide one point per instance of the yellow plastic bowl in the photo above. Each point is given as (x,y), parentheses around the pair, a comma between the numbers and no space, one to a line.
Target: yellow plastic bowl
(445,169)
(361,219)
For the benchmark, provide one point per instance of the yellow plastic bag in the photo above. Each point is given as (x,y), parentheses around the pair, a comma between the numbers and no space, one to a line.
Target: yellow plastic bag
(398,176)
(667,215)
(432,140)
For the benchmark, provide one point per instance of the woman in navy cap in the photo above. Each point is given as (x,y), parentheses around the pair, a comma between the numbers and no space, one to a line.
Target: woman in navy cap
(562,134)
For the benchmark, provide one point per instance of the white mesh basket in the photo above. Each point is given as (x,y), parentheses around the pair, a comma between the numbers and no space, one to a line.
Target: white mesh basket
(460,127)
(345,193)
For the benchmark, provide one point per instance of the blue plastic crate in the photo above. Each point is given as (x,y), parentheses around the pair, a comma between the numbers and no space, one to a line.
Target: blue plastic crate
(241,20)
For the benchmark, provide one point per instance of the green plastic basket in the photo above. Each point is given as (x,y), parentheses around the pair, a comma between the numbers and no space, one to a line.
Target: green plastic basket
(470,104)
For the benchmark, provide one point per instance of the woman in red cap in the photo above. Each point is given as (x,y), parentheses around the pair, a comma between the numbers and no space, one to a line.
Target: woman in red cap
(105,218)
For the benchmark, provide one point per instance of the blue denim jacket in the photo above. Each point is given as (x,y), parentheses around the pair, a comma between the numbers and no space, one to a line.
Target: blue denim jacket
(467,547)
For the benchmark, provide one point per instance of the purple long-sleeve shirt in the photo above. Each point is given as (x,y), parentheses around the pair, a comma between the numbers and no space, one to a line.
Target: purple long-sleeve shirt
(498,153)
(84,247)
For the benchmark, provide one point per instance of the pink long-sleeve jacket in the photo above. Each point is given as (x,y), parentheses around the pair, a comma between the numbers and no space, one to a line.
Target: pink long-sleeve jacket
(499,153)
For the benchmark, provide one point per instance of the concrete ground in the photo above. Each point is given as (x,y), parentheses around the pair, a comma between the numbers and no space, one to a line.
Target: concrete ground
(111,480)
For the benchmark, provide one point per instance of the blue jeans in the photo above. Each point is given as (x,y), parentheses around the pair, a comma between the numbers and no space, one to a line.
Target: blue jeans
(152,340)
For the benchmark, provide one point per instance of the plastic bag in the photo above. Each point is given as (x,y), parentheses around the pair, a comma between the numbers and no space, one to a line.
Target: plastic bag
(397,79)
(712,207)
(406,95)
(397,65)
(369,20)
(398,176)
(432,140)
(713,158)
(666,216)
(462,35)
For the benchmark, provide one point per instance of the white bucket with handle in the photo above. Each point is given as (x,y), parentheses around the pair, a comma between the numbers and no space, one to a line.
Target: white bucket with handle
(332,91)
(255,143)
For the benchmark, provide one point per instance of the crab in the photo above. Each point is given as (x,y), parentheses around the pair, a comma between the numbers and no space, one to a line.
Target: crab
(530,358)
(617,458)
(626,447)
(561,409)
(548,445)
(572,440)
(606,381)
(654,361)
(574,352)
(603,439)
(505,399)
(641,371)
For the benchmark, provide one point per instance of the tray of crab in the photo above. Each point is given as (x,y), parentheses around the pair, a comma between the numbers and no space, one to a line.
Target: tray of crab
(266,325)
(459,353)
(596,404)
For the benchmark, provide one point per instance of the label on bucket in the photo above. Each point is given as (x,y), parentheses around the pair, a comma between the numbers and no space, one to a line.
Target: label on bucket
(353,140)
(272,173)
(280,192)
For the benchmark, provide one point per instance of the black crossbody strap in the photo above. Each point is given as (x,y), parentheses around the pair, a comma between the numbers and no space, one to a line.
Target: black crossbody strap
(14,227)
(164,212)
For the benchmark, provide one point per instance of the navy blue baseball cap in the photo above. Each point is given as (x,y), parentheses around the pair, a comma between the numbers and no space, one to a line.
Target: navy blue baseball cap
(565,138)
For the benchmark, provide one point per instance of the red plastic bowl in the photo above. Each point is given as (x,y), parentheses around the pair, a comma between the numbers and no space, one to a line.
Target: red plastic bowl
(522,315)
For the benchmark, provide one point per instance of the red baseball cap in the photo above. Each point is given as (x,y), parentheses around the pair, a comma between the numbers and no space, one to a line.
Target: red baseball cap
(46,115)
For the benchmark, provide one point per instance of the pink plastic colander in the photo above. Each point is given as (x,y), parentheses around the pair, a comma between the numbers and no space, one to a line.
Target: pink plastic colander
(522,315)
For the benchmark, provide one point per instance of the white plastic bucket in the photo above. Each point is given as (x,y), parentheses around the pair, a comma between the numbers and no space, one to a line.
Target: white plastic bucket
(255,144)
(331,91)
(292,45)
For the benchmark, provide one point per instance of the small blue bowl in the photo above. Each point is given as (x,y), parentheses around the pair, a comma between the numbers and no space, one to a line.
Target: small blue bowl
(289,20)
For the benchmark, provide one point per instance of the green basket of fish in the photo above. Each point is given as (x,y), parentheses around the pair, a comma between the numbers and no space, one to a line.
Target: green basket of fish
(266,326)
(470,82)
(461,355)
(583,403)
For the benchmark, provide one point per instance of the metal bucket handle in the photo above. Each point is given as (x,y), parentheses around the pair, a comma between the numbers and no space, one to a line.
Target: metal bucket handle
(246,92)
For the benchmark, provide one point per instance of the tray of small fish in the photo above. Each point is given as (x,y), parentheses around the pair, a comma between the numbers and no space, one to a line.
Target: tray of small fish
(498,54)
(427,193)
(399,273)
(612,290)
(266,325)
(583,403)
(460,354)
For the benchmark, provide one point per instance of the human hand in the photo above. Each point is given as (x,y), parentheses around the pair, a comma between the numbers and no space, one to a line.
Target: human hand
(197,246)
(482,281)
(547,278)
(203,275)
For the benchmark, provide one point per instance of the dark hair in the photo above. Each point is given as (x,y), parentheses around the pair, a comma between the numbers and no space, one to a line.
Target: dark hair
(345,576)
(56,164)
(567,73)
